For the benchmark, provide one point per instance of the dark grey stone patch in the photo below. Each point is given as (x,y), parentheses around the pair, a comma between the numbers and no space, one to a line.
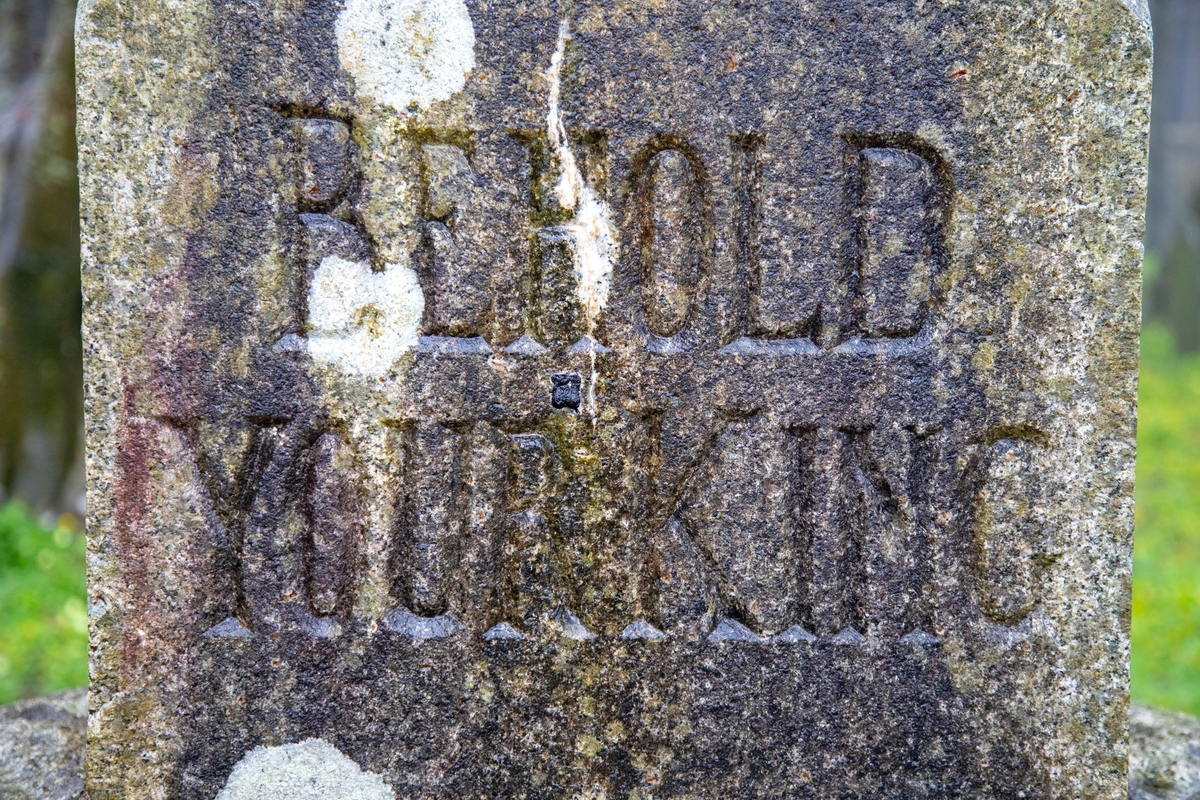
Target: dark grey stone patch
(41,747)
(566,390)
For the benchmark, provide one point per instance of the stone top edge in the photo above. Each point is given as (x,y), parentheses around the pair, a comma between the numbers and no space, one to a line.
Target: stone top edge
(1141,11)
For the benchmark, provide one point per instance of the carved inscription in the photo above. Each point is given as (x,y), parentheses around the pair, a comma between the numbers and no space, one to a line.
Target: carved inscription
(231,460)
(766,555)
(326,171)
(555,315)
(433,512)
(528,582)
(455,285)
(327,185)
(739,512)
(334,527)
(812,527)
(870,554)
(791,287)
(744,527)
(792,299)
(672,241)
(899,227)
(610,398)
(560,321)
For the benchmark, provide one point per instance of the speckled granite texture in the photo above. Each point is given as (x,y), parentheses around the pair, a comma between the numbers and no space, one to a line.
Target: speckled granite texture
(1164,755)
(42,742)
(612,398)
(41,747)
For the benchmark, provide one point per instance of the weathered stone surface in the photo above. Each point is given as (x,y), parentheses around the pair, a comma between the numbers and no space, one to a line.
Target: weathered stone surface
(42,742)
(41,747)
(1164,755)
(607,398)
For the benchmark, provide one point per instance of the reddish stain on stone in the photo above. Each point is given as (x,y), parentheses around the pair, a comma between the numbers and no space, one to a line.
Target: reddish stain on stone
(131,530)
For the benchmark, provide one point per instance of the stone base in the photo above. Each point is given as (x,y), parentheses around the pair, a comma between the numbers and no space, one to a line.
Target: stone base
(42,741)
(1164,755)
(41,747)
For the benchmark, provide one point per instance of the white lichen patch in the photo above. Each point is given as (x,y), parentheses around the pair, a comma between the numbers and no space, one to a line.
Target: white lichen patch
(406,54)
(591,227)
(311,770)
(360,321)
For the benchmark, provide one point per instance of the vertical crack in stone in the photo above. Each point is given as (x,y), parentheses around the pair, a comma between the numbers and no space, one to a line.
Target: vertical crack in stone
(590,229)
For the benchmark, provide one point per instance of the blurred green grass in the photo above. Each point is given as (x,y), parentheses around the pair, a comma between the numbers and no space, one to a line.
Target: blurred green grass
(43,621)
(1166,553)
(43,617)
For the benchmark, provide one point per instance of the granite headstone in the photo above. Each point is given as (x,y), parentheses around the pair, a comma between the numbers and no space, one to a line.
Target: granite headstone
(611,398)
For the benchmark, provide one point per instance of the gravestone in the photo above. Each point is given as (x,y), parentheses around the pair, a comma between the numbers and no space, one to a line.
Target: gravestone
(611,398)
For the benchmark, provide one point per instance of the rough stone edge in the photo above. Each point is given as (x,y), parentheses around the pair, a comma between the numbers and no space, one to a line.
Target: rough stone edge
(1141,10)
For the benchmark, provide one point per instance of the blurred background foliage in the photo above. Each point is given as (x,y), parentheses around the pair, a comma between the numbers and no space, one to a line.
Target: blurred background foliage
(43,616)
(1166,557)
(43,644)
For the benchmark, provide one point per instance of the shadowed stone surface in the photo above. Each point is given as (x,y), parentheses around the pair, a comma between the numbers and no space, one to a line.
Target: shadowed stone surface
(612,398)
(41,752)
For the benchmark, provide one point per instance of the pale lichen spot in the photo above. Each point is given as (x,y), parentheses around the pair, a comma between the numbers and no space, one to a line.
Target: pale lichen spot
(310,770)
(589,745)
(361,322)
(894,245)
(934,135)
(406,54)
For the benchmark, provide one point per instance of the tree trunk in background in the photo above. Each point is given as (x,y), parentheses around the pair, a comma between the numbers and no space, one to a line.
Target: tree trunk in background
(40,349)
(29,44)
(1173,213)
(1175,292)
